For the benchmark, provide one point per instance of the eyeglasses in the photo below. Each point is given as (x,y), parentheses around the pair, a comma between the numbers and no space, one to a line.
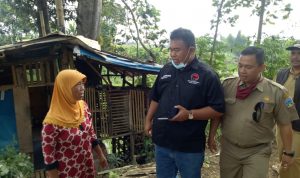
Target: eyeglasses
(256,115)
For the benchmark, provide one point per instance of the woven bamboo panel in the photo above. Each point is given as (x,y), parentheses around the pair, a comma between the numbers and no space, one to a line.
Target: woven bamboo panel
(99,109)
(137,110)
(118,110)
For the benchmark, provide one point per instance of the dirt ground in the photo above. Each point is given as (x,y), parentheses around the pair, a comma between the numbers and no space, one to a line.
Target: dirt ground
(210,168)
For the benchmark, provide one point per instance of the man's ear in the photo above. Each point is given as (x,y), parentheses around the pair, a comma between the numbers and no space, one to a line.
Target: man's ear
(192,49)
(262,67)
(192,52)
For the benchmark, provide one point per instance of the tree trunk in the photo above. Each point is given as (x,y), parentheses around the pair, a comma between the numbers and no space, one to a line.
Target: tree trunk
(43,8)
(88,18)
(261,20)
(216,32)
(60,15)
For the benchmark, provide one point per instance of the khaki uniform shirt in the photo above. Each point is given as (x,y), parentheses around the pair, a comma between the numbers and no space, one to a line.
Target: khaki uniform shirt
(238,126)
(290,82)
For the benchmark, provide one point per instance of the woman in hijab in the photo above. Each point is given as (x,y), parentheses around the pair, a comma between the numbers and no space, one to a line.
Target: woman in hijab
(68,134)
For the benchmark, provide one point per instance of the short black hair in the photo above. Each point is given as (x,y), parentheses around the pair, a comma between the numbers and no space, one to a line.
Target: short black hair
(185,35)
(258,52)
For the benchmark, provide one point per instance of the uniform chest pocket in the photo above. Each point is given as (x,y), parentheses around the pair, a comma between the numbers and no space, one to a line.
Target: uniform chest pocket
(165,80)
(263,113)
(164,84)
(268,107)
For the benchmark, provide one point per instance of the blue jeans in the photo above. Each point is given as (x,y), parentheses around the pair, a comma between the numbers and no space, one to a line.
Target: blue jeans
(169,162)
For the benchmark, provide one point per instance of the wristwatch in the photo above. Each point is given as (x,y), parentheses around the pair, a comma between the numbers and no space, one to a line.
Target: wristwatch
(290,154)
(191,116)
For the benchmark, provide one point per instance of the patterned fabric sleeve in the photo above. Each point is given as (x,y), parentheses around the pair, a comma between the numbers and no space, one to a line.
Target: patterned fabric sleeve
(49,134)
(91,131)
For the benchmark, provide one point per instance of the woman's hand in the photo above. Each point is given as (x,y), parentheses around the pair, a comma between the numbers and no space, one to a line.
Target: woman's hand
(103,162)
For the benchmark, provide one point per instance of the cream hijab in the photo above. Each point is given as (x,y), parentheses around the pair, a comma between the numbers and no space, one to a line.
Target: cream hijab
(64,110)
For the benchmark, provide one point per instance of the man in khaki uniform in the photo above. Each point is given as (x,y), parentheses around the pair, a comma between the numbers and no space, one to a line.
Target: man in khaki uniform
(254,105)
(289,77)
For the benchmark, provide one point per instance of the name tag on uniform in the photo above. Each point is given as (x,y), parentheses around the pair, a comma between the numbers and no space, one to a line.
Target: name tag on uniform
(165,77)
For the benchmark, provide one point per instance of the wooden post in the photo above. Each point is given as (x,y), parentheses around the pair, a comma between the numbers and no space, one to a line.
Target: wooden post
(22,111)
(23,115)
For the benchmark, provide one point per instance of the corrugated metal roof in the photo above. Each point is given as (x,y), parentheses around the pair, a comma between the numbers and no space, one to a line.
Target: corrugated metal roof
(84,47)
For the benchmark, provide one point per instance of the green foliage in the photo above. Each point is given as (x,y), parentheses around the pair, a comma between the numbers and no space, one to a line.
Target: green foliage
(113,14)
(148,149)
(224,62)
(14,164)
(276,55)
(113,175)
(114,161)
(268,11)
(17,21)
(225,13)
(137,20)
(129,50)
(204,45)
(236,44)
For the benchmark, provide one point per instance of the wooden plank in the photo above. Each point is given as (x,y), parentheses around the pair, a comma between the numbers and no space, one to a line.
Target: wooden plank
(37,72)
(131,121)
(136,110)
(30,73)
(20,76)
(15,80)
(47,72)
(65,59)
(55,66)
(42,72)
(23,119)
(143,109)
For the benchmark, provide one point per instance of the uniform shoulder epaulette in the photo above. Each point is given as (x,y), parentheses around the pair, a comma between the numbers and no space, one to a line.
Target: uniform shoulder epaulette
(233,77)
(281,87)
(276,84)
(230,78)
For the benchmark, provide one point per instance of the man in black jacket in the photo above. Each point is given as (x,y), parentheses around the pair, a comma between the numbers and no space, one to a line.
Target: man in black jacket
(185,95)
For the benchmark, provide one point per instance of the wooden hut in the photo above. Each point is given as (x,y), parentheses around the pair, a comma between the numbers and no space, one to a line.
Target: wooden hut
(116,91)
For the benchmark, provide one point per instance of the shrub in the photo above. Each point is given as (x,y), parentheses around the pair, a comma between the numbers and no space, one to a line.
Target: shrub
(14,164)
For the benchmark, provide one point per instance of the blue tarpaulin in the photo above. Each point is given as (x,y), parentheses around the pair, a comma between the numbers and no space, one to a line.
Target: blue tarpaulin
(118,61)
(8,130)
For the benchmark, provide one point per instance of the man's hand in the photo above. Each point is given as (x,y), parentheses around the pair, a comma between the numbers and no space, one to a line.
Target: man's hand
(182,115)
(286,161)
(52,173)
(212,144)
(148,127)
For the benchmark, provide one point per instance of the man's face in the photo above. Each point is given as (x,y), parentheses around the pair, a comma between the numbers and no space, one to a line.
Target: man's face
(295,57)
(248,69)
(179,51)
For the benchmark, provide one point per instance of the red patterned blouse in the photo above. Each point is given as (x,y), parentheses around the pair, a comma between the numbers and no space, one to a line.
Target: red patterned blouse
(70,149)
